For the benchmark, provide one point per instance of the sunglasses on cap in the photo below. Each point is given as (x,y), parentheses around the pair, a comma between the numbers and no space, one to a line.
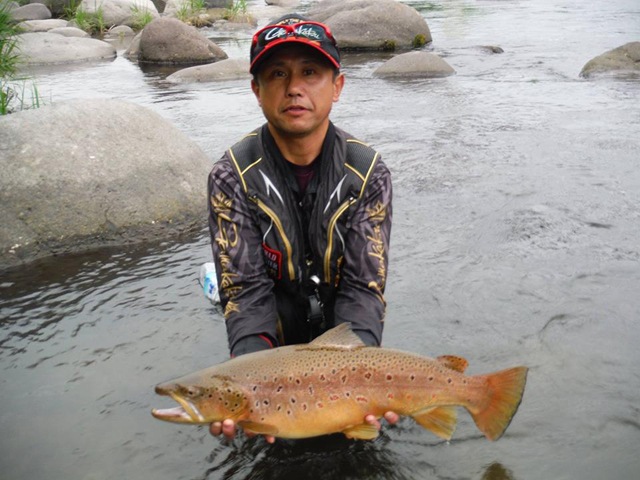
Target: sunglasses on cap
(314,34)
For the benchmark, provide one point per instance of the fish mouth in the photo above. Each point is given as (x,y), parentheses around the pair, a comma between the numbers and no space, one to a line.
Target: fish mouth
(187,412)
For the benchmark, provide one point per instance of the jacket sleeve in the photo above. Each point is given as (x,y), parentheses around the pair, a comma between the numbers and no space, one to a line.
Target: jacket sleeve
(360,295)
(246,291)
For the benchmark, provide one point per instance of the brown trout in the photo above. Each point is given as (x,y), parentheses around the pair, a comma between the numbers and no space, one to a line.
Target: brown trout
(332,383)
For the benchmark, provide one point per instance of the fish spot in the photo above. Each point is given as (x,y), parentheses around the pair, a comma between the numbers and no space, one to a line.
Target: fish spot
(347,394)
(322,378)
(310,389)
(333,371)
(449,380)
(304,407)
(333,397)
(257,404)
(368,375)
(389,377)
(254,388)
(292,399)
(288,412)
(319,404)
(362,399)
(279,407)
(390,396)
(344,379)
(298,381)
(265,402)
(412,377)
(430,378)
(279,389)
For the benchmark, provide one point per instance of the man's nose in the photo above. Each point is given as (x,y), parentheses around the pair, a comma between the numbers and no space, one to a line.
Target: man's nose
(294,87)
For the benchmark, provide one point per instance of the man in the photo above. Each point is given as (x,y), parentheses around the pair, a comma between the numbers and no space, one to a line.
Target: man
(300,212)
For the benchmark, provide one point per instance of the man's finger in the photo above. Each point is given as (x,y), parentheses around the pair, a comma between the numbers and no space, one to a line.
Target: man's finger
(215,428)
(391,417)
(229,428)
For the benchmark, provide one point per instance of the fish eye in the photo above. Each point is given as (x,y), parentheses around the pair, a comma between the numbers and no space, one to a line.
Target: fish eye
(192,391)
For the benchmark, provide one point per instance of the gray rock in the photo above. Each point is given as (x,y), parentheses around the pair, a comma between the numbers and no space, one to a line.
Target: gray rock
(169,41)
(49,49)
(229,69)
(70,32)
(415,64)
(119,12)
(34,11)
(90,173)
(57,7)
(621,60)
(120,31)
(372,24)
(42,25)
(283,3)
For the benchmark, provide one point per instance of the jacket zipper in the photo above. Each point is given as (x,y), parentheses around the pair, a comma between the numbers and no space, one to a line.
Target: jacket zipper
(276,221)
(332,224)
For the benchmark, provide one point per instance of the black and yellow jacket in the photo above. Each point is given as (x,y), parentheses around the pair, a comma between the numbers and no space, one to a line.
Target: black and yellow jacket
(268,240)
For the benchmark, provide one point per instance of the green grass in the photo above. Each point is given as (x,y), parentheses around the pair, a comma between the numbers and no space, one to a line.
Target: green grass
(190,9)
(16,92)
(237,12)
(141,17)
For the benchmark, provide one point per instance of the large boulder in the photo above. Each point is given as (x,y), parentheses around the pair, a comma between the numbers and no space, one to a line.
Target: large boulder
(57,7)
(169,41)
(372,24)
(120,12)
(42,25)
(621,60)
(49,49)
(229,69)
(415,64)
(90,173)
(34,11)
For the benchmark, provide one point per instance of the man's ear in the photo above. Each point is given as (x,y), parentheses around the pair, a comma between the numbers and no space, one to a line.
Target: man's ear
(255,86)
(338,85)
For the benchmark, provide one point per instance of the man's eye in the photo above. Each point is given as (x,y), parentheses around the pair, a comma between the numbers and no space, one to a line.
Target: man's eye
(309,71)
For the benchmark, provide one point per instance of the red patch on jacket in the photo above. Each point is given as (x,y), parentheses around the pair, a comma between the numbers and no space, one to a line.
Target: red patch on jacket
(273,261)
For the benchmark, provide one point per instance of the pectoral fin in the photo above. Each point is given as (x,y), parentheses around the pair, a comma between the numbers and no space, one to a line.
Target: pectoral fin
(259,428)
(364,431)
(440,420)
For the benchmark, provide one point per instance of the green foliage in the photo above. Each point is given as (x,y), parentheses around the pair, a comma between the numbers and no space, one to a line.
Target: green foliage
(419,41)
(141,17)
(238,10)
(189,9)
(8,41)
(389,45)
(91,22)
(14,93)
(18,94)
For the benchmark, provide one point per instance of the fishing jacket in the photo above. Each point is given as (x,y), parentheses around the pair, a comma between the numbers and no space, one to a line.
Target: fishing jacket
(275,249)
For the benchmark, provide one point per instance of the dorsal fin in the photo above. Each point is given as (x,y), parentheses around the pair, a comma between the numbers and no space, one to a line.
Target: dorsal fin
(340,336)
(458,364)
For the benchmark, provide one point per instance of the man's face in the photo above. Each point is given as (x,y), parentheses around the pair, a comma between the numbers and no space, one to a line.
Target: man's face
(296,88)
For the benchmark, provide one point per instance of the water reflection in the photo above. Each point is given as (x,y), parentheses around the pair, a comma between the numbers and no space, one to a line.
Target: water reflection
(327,457)
(332,456)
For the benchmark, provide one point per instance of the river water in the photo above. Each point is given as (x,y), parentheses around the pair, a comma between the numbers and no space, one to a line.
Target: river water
(515,241)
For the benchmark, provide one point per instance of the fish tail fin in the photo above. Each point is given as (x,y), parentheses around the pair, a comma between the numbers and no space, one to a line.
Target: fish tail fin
(505,391)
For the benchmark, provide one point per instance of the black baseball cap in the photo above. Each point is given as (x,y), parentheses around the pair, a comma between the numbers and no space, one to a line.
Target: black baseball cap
(293,27)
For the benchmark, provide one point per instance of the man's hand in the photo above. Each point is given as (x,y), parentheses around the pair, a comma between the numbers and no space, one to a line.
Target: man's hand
(228,427)
(390,417)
